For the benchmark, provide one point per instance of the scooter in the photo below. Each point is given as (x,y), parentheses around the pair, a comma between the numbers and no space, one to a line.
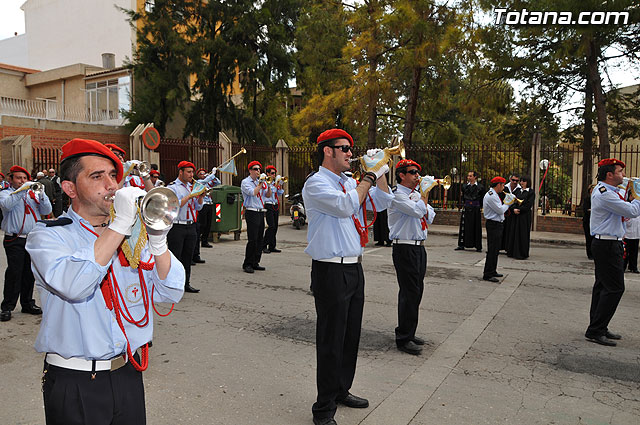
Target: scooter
(298,216)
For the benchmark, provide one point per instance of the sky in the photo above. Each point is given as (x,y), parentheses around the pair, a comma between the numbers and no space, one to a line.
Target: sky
(11,18)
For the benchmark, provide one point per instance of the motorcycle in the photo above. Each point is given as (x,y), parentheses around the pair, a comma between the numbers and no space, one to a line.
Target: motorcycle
(298,216)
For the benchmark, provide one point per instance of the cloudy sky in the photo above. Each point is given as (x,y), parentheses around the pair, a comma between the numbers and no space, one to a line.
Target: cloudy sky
(11,18)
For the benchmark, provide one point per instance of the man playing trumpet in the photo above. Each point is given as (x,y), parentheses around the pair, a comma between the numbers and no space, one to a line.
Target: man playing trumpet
(182,238)
(494,210)
(409,216)
(254,192)
(272,205)
(95,340)
(21,207)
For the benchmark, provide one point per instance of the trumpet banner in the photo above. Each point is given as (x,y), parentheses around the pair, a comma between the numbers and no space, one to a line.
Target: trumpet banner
(229,167)
(132,245)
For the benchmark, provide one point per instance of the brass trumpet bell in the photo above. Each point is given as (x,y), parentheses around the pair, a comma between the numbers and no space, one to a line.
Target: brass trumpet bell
(38,188)
(429,182)
(374,163)
(159,208)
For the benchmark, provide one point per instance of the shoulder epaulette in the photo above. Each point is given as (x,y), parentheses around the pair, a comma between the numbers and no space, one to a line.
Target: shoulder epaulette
(490,193)
(394,188)
(60,221)
(173,182)
(602,189)
(310,174)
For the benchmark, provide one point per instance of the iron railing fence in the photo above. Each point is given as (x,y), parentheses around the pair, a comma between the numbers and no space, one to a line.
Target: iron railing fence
(203,153)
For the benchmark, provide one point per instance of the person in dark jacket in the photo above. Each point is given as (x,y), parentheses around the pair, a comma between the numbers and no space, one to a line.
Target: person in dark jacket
(518,246)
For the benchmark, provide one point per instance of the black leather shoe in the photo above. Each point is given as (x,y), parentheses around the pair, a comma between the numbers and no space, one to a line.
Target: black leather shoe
(276,250)
(418,341)
(324,421)
(635,271)
(32,309)
(498,275)
(247,269)
(410,347)
(491,279)
(5,316)
(258,267)
(602,340)
(611,335)
(207,245)
(354,401)
(381,243)
(198,260)
(193,263)
(266,251)
(459,248)
(189,288)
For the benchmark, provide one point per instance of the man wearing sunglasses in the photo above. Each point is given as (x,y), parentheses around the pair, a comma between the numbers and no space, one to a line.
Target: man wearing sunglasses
(409,216)
(508,230)
(272,205)
(336,237)
(254,191)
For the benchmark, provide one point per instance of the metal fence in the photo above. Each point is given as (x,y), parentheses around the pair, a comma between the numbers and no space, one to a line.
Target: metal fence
(203,153)
(266,155)
(45,158)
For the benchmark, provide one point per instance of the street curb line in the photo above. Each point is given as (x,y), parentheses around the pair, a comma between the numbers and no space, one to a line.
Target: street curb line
(404,403)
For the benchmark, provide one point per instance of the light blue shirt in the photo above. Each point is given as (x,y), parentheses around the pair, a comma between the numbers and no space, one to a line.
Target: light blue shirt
(13,210)
(210,181)
(607,210)
(249,199)
(405,216)
(75,320)
(135,181)
(274,193)
(188,210)
(332,232)
(492,206)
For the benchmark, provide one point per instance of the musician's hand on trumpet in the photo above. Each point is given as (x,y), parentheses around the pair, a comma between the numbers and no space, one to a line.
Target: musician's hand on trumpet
(125,205)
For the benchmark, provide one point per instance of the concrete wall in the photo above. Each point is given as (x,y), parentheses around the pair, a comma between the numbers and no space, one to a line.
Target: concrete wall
(60,32)
(12,84)
(15,51)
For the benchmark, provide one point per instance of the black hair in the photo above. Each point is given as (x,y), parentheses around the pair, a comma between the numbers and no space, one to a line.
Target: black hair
(527,179)
(320,151)
(514,175)
(70,168)
(494,184)
(475,174)
(401,170)
(602,171)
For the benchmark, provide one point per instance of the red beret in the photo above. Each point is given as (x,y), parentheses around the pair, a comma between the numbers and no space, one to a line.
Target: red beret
(200,169)
(611,161)
(116,148)
(271,167)
(252,163)
(17,168)
(2,175)
(81,147)
(154,173)
(498,180)
(334,133)
(186,164)
(407,163)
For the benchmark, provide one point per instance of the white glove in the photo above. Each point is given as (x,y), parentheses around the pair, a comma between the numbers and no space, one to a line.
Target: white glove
(126,206)
(213,170)
(373,152)
(158,240)
(263,177)
(415,196)
(382,171)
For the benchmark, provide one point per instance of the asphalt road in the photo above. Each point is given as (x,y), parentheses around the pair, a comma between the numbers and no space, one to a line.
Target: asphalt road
(242,350)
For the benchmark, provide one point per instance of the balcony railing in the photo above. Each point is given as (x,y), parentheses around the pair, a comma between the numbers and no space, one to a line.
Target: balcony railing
(50,110)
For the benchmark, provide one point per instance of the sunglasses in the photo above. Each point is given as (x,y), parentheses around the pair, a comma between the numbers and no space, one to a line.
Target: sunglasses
(515,181)
(256,168)
(414,172)
(343,148)
(272,172)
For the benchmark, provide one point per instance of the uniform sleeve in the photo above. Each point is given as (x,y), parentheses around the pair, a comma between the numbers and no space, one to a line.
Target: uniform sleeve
(431,214)
(495,204)
(8,202)
(71,274)
(44,207)
(247,188)
(402,203)
(612,202)
(171,289)
(317,194)
(381,199)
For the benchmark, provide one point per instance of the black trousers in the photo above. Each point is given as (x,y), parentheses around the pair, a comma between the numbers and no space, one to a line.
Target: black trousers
(71,397)
(470,231)
(494,241)
(609,285)
(410,262)
(338,290)
(255,235)
(271,215)
(18,278)
(632,254)
(196,247)
(204,218)
(588,238)
(182,240)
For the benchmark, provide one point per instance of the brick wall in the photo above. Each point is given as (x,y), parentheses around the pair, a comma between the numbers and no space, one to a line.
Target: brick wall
(546,223)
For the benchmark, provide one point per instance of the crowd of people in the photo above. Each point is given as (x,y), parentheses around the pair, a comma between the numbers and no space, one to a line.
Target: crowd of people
(81,260)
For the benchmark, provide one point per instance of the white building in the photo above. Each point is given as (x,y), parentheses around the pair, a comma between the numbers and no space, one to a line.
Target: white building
(63,32)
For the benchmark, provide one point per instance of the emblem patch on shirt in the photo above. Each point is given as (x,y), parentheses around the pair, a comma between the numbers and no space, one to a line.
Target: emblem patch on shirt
(133,293)
(602,189)
(490,193)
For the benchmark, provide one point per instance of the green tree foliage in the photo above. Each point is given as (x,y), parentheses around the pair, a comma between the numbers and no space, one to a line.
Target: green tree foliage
(160,65)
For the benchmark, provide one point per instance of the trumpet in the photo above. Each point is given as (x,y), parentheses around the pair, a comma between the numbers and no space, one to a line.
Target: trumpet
(374,163)
(158,208)
(510,199)
(38,188)
(241,151)
(198,189)
(277,179)
(429,182)
(137,168)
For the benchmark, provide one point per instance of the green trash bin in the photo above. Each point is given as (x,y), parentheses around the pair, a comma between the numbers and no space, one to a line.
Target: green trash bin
(227,203)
